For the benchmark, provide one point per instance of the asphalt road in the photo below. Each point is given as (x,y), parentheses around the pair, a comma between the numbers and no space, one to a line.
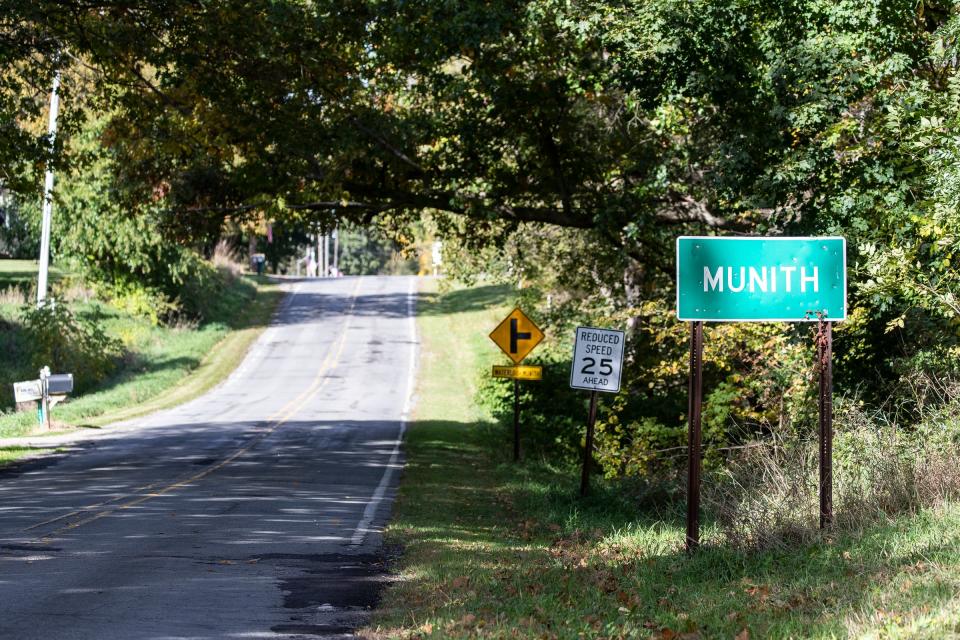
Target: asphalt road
(251,512)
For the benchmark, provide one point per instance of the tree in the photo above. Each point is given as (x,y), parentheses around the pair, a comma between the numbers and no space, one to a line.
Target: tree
(608,115)
(635,120)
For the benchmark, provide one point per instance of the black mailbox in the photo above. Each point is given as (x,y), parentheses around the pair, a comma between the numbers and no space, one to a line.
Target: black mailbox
(59,384)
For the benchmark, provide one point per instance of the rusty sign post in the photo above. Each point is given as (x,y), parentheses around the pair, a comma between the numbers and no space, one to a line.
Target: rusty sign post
(517,336)
(760,280)
(694,460)
(516,420)
(517,373)
(825,367)
(588,445)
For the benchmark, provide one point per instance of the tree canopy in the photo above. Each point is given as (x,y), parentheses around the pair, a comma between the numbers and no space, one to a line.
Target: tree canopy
(625,117)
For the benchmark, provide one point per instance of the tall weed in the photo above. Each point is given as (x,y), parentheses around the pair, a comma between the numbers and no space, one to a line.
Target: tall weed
(226,259)
(13,295)
(767,495)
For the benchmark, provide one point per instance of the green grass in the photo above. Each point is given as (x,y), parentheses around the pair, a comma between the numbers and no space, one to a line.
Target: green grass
(165,366)
(12,454)
(19,272)
(493,549)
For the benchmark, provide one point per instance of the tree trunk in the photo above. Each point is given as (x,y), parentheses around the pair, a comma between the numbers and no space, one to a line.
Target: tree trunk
(633,279)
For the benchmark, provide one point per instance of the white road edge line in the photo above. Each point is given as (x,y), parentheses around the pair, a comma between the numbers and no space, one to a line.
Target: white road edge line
(363,528)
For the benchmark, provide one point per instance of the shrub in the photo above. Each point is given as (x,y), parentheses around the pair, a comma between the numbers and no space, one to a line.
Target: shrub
(553,418)
(138,299)
(20,236)
(195,290)
(69,343)
(207,294)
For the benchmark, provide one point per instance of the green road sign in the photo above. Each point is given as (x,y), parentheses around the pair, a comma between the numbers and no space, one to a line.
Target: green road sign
(761,279)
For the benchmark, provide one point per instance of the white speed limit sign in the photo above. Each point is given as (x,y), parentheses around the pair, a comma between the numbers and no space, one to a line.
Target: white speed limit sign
(597,359)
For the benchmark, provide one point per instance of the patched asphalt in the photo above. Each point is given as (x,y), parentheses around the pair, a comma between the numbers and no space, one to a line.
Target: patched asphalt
(254,511)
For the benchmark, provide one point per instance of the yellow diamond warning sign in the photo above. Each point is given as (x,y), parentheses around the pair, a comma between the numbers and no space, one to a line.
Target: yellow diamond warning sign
(517,335)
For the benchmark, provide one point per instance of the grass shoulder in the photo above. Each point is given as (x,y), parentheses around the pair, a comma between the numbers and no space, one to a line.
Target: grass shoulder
(494,549)
(23,272)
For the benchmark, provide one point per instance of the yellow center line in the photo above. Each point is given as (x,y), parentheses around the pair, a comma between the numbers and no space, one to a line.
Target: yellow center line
(92,506)
(286,412)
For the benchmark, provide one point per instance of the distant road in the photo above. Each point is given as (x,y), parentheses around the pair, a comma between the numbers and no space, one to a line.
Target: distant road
(251,512)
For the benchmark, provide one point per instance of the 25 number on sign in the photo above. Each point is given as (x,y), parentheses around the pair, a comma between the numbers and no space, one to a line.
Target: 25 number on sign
(606,366)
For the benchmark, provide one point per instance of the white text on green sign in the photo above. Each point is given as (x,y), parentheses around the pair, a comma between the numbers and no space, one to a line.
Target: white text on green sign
(761,279)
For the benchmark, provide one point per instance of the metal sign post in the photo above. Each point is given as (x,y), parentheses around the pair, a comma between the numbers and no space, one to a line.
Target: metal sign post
(825,366)
(516,420)
(588,446)
(517,336)
(694,460)
(760,280)
(597,365)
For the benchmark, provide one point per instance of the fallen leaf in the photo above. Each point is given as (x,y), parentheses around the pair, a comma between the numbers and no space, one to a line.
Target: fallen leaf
(468,619)
(760,592)
(460,582)
(427,627)
(743,635)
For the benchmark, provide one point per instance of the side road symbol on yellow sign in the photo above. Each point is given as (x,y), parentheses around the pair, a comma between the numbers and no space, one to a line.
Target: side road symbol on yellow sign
(519,372)
(517,335)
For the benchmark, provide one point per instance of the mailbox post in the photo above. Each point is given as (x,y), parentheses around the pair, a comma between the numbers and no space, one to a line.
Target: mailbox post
(54,388)
(45,401)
